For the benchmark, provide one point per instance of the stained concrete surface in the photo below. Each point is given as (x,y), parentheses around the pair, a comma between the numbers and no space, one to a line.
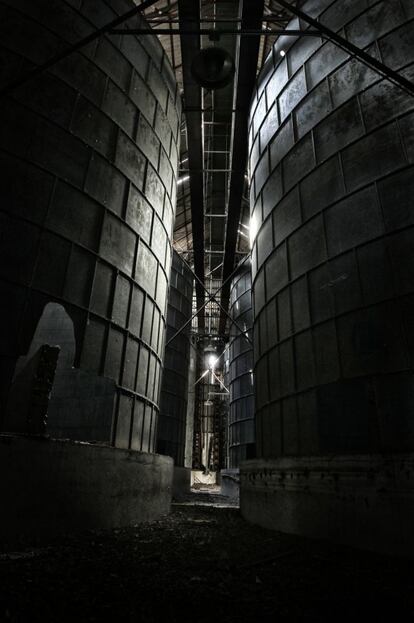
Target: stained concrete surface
(50,486)
(364,500)
(201,563)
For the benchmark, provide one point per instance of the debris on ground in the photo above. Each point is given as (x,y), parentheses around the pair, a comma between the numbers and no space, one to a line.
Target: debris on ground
(201,563)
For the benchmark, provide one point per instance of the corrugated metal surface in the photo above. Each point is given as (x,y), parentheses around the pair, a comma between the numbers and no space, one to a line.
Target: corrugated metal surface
(89,155)
(331,160)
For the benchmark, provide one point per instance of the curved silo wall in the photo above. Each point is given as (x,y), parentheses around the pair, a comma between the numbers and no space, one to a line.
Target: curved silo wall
(174,387)
(331,164)
(88,155)
(241,426)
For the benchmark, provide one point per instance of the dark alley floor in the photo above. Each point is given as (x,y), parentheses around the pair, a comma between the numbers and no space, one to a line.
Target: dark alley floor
(201,563)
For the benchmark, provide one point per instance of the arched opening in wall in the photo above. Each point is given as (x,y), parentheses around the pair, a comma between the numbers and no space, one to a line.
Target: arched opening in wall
(49,395)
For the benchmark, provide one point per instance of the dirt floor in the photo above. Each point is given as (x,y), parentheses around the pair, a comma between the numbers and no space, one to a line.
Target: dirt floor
(201,563)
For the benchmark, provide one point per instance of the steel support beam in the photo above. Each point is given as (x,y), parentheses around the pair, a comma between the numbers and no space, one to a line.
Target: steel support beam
(9,88)
(252,17)
(215,33)
(211,298)
(215,300)
(189,19)
(354,50)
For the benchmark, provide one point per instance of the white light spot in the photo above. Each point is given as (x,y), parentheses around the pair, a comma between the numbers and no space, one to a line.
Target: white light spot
(212,360)
(254,226)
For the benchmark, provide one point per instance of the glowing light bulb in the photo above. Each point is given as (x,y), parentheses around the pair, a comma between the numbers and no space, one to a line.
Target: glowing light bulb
(212,360)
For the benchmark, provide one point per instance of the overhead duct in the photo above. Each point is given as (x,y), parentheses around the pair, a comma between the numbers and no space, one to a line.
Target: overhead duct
(213,68)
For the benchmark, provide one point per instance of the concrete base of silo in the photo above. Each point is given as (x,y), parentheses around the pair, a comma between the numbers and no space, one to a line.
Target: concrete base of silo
(181,482)
(53,486)
(365,501)
(230,483)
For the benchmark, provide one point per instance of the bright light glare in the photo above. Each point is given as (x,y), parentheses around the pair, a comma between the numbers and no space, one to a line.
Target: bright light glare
(183,179)
(282,53)
(212,360)
(254,226)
